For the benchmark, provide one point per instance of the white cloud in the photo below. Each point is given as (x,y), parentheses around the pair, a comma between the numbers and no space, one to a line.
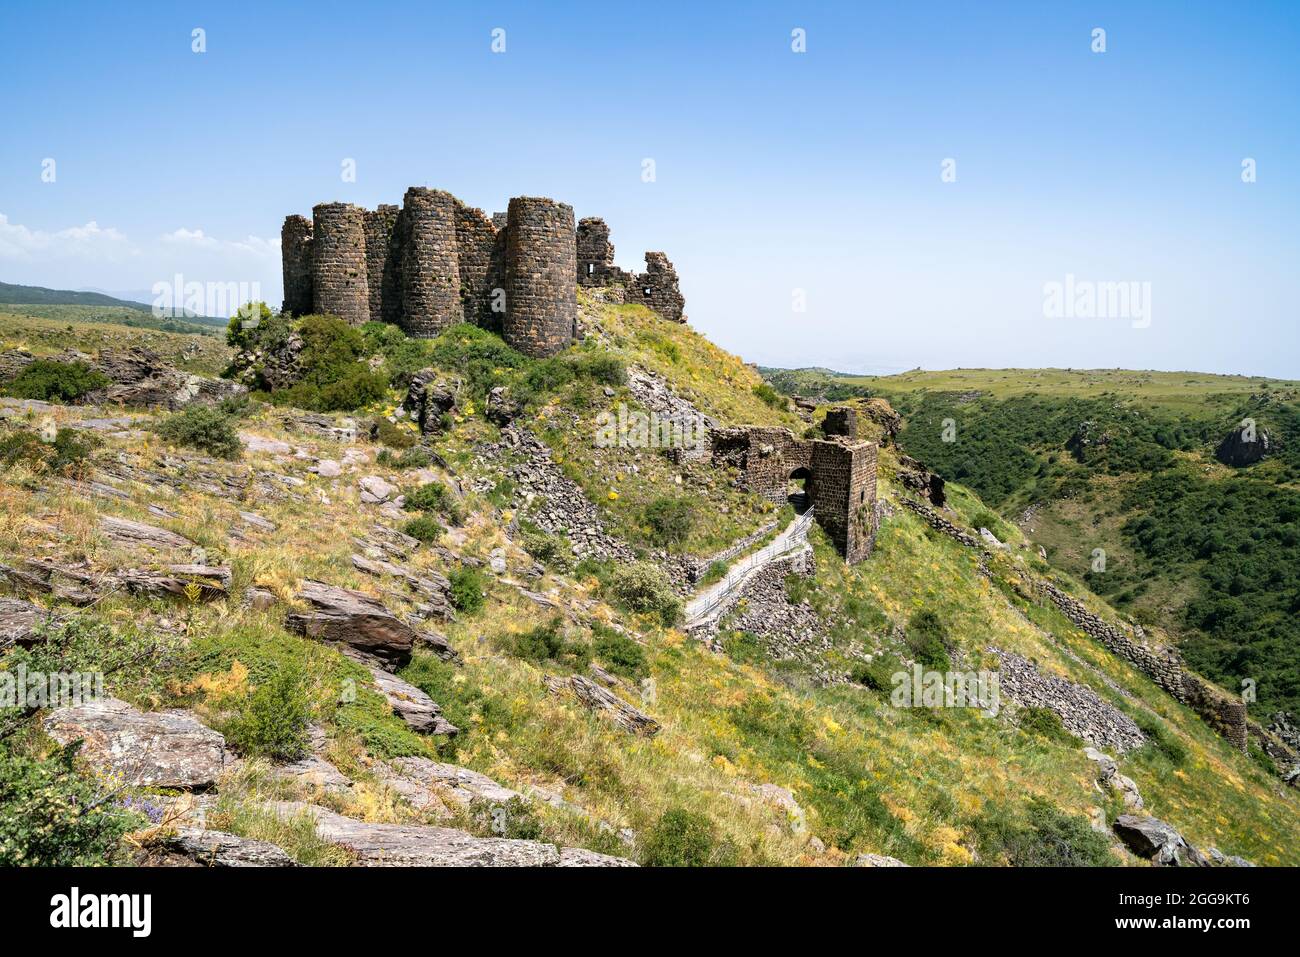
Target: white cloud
(104,257)
(89,242)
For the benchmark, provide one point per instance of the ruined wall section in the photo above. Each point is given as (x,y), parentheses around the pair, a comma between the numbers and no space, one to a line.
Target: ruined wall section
(296,260)
(844,495)
(596,255)
(541,295)
(481,263)
(657,288)
(383,265)
(842,421)
(430,267)
(338,244)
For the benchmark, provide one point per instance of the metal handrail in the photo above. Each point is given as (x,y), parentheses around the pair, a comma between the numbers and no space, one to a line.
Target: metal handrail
(794,536)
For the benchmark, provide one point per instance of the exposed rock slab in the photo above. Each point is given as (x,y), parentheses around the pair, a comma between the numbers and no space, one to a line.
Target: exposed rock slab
(606,703)
(1158,842)
(169,749)
(407,845)
(414,777)
(412,705)
(220,849)
(359,622)
(127,532)
(19,621)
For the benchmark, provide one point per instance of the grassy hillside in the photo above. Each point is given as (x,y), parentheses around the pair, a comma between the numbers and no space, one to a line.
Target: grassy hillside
(1123,462)
(927,785)
(40,335)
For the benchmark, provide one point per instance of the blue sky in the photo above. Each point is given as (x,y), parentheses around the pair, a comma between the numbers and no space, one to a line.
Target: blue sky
(780,176)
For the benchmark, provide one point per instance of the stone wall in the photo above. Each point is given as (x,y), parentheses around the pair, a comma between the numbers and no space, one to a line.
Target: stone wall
(430,265)
(296,259)
(657,289)
(595,255)
(841,420)
(844,495)
(481,259)
(339,284)
(1164,665)
(541,294)
(383,266)
(840,478)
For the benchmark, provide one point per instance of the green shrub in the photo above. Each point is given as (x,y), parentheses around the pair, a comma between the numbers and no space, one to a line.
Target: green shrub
(424,527)
(714,573)
(67,455)
(878,673)
(644,587)
(1043,836)
(620,654)
(602,368)
(1159,738)
(547,643)
(255,326)
(52,817)
(467,585)
(204,428)
(272,721)
(334,375)
(682,838)
(1046,723)
(513,819)
(927,640)
(770,396)
(1261,757)
(433,497)
(414,458)
(545,548)
(670,520)
(49,379)
(392,435)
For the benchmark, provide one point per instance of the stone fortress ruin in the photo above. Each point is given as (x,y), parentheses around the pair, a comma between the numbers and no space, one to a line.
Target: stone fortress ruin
(435,262)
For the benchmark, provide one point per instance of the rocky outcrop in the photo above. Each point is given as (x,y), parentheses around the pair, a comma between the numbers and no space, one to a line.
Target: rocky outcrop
(1244,445)
(124,531)
(604,702)
(1082,711)
(429,400)
(219,849)
(360,624)
(166,749)
(559,505)
(19,621)
(420,779)
(434,590)
(1158,842)
(1108,777)
(412,705)
(877,860)
(915,477)
(407,845)
(887,422)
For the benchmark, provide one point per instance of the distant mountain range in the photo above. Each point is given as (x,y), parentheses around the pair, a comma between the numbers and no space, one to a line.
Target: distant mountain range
(13,294)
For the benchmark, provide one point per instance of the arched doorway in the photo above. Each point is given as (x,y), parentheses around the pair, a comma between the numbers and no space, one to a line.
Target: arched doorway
(799,489)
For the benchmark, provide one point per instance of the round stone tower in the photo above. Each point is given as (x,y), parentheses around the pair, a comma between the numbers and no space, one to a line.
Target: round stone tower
(295,255)
(541,276)
(339,262)
(430,269)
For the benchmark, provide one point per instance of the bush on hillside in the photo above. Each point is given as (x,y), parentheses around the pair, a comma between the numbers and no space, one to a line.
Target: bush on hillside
(51,380)
(68,454)
(273,720)
(770,396)
(204,428)
(643,587)
(424,527)
(682,838)
(467,587)
(433,497)
(927,640)
(1042,836)
(52,817)
(619,653)
(670,520)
